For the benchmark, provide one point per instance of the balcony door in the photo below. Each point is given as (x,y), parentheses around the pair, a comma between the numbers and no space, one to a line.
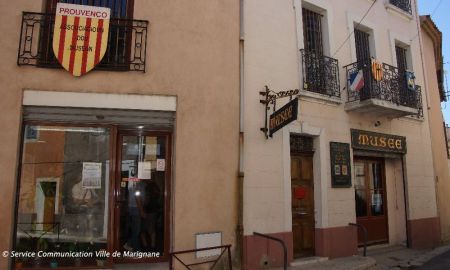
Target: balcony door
(363,57)
(370,199)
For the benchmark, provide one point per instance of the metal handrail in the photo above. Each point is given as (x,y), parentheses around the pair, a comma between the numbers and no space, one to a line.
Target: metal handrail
(279,241)
(213,261)
(365,236)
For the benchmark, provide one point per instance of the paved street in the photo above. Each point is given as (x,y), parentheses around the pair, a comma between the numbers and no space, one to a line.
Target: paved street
(440,262)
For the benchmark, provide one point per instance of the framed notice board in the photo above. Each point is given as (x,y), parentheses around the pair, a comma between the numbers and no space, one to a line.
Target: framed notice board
(341,175)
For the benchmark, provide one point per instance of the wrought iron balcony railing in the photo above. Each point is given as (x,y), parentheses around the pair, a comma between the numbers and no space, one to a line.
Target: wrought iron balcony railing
(320,74)
(127,42)
(404,5)
(392,87)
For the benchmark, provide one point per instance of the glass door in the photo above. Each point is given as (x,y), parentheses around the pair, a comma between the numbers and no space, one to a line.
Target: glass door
(142,198)
(370,199)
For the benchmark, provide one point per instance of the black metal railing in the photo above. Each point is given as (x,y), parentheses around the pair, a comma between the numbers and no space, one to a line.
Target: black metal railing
(404,5)
(392,87)
(320,74)
(127,43)
(280,241)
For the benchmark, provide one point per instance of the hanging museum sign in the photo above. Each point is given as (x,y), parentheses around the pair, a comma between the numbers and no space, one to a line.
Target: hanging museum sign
(373,141)
(340,165)
(283,116)
(80,36)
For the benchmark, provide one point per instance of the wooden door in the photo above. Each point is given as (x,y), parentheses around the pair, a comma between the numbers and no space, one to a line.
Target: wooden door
(370,200)
(302,188)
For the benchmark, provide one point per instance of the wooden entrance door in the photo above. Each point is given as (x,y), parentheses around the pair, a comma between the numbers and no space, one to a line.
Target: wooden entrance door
(302,188)
(370,199)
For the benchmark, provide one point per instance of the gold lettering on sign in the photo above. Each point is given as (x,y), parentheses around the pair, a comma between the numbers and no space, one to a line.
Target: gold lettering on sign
(373,140)
(363,139)
(280,118)
(391,143)
(383,141)
(398,144)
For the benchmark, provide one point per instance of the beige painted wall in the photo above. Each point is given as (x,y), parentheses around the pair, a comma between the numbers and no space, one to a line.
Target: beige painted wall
(193,54)
(437,137)
(273,37)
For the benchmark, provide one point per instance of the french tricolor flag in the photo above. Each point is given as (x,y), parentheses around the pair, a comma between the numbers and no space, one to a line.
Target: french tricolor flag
(356,80)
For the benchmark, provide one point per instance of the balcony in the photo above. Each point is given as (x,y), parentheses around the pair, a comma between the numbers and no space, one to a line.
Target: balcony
(320,74)
(127,42)
(404,5)
(389,97)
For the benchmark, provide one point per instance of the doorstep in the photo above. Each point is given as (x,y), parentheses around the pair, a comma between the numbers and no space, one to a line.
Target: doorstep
(307,260)
(346,263)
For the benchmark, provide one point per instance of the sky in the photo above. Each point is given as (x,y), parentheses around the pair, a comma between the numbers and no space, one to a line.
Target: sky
(439,9)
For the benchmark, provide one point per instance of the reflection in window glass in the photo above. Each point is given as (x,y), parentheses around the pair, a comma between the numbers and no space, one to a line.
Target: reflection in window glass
(142,194)
(63,198)
(377,203)
(361,203)
(375,175)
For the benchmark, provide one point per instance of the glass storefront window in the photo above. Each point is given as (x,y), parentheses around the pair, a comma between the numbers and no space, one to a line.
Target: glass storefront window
(63,195)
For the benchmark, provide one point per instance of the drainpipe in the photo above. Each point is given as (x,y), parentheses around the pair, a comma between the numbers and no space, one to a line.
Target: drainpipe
(240,184)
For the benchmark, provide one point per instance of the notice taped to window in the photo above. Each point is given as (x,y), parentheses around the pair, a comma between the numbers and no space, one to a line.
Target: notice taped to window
(92,175)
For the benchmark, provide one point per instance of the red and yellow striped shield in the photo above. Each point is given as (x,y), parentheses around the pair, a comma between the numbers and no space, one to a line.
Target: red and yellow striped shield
(377,70)
(80,36)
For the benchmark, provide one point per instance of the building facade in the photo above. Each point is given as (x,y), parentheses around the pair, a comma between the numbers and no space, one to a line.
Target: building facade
(139,154)
(358,153)
(433,63)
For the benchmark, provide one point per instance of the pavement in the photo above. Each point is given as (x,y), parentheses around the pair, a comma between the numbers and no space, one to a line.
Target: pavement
(440,262)
(383,258)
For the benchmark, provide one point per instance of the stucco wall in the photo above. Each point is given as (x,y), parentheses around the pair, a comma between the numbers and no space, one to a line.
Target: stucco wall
(193,54)
(437,136)
(278,26)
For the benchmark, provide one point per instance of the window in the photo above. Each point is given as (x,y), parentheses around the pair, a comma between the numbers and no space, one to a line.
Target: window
(404,5)
(63,194)
(312,31)
(362,46)
(320,73)
(402,63)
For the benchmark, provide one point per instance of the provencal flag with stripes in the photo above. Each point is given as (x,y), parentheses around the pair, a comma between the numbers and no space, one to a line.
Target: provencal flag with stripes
(80,36)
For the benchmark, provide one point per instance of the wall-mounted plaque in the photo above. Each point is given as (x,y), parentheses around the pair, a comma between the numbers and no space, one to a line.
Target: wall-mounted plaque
(341,176)
(373,141)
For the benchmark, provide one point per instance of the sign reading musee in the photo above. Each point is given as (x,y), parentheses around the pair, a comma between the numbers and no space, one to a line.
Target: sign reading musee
(283,116)
(80,36)
(367,140)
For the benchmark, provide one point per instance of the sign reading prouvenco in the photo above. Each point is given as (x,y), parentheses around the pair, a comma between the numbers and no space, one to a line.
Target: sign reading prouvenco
(80,36)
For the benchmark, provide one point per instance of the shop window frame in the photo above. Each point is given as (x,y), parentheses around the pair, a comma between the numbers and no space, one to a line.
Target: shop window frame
(109,208)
